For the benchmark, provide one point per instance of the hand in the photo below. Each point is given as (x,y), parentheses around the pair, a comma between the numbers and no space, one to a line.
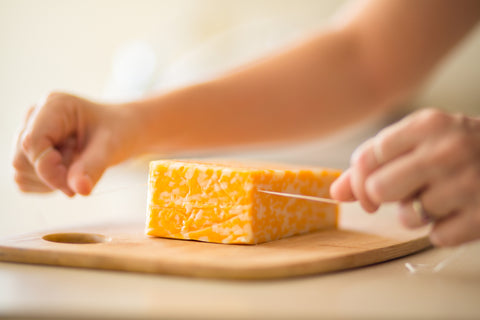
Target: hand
(430,156)
(67,143)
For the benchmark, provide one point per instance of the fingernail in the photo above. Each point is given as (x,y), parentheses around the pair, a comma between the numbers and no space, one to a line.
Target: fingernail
(87,186)
(88,183)
(69,193)
(335,193)
(82,184)
(370,207)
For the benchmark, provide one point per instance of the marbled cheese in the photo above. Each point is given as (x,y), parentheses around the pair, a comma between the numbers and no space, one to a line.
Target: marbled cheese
(219,201)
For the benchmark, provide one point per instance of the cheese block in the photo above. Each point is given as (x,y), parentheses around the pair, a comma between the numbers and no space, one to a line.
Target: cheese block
(220,202)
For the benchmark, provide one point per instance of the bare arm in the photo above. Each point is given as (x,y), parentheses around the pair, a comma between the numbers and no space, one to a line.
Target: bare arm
(343,74)
(348,71)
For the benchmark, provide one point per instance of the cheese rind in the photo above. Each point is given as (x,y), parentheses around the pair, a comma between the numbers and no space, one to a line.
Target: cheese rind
(220,202)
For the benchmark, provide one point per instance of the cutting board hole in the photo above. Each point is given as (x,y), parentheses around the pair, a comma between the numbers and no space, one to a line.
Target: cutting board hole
(75,238)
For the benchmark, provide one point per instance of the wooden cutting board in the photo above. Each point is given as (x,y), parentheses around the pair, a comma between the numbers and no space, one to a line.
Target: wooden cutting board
(361,240)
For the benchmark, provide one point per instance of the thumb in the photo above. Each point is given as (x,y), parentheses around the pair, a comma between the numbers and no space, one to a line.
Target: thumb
(341,189)
(88,167)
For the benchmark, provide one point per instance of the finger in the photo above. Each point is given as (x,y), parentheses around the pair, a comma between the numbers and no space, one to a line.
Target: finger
(404,135)
(341,188)
(401,179)
(457,229)
(20,162)
(30,175)
(36,144)
(26,183)
(36,188)
(364,164)
(409,216)
(68,150)
(25,173)
(47,129)
(49,125)
(420,168)
(396,141)
(87,169)
(452,193)
(389,144)
(52,171)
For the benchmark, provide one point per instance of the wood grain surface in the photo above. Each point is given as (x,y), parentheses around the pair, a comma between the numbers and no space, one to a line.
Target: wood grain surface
(361,240)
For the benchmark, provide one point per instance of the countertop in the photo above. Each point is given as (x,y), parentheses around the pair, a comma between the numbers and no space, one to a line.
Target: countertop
(383,291)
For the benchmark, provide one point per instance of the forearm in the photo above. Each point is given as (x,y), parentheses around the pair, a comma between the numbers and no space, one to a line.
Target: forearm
(306,91)
(336,78)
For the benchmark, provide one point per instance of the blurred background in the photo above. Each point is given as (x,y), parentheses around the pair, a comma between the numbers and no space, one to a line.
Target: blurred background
(121,50)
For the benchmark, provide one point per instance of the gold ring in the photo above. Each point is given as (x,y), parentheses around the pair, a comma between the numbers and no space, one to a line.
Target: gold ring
(420,210)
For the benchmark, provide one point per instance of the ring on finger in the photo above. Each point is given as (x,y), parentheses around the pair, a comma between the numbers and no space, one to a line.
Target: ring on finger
(420,210)
(42,154)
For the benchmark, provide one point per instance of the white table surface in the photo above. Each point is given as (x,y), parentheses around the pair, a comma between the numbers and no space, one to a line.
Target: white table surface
(382,291)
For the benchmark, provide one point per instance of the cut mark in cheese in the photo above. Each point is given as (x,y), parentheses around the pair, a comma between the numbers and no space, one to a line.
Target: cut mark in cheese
(220,202)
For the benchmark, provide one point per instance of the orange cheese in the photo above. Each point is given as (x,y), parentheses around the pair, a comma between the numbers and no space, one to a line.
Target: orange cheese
(220,202)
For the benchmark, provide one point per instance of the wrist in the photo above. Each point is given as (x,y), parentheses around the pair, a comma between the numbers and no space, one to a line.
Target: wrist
(149,124)
(167,123)
(133,125)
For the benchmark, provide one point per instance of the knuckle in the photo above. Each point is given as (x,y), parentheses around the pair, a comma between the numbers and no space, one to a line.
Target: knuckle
(382,141)
(451,151)
(431,114)
(465,123)
(26,141)
(54,95)
(362,162)
(18,163)
(462,120)
(434,119)
(54,100)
